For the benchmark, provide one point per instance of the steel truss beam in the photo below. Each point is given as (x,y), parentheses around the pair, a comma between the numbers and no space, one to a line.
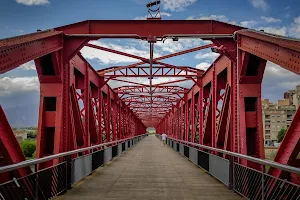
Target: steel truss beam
(285,52)
(142,29)
(19,50)
(158,71)
(222,109)
(77,107)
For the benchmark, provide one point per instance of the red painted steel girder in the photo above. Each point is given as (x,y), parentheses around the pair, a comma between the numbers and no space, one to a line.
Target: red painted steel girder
(112,69)
(169,87)
(21,49)
(207,29)
(147,100)
(134,71)
(272,47)
(160,71)
(146,107)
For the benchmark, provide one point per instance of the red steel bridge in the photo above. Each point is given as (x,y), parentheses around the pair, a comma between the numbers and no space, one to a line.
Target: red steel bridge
(220,116)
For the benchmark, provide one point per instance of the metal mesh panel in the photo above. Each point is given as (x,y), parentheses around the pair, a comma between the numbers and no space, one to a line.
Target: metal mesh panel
(254,184)
(43,184)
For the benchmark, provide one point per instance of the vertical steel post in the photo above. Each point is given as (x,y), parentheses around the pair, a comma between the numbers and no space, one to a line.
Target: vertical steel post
(214,107)
(86,96)
(193,116)
(186,118)
(199,81)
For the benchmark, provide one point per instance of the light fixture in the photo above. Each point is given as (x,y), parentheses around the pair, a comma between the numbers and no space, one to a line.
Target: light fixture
(153,3)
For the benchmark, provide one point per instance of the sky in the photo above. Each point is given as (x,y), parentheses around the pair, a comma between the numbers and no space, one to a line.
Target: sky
(17,17)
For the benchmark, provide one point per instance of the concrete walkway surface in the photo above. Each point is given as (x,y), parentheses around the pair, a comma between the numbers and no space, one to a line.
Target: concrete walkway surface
(147,171)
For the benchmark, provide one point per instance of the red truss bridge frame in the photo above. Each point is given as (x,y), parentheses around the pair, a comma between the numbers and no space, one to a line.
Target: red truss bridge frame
(233,81)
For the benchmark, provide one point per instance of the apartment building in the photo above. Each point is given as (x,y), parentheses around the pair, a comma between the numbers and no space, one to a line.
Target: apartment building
(293,96)
(275,117)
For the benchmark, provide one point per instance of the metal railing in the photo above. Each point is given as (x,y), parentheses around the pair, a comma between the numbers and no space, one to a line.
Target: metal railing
(252,183)
(47,182)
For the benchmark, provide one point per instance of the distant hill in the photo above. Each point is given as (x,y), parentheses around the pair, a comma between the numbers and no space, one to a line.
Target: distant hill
(22,116)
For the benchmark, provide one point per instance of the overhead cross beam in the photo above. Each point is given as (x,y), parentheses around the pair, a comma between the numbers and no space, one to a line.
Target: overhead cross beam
(142,29)
(145,60)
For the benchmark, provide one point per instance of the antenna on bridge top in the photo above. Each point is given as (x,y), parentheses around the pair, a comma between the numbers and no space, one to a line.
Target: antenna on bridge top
(153,10)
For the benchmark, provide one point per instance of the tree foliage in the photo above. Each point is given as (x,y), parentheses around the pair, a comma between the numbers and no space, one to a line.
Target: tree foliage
(31,134)
(28,147)
(281,134)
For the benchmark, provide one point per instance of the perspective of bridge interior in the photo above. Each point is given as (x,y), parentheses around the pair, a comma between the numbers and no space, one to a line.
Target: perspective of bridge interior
(92,125)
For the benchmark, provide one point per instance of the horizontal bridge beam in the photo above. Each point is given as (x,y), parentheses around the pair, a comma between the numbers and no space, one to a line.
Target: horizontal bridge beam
(19,50)
(208,29)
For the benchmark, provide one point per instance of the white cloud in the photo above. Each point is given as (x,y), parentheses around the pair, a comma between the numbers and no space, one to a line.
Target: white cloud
(176,5)
(288,85)
(275,30)
(259,4)
(287,15)
(203,66)
(206,56)
(171,46)
(165,14)
(221,18)
(33,2)
(277,80)
(249,23)
(111,58)
(275,71)
(28,66)
(270,19)
(294,30)
(10,85)
(140,18)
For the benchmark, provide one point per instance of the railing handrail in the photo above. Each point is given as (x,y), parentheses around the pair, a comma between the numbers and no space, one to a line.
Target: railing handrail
(249,158)
(59,155)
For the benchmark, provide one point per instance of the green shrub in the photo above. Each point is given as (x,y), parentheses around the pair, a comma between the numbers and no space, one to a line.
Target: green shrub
(281,134)
(31,134)
(34,154)
(28,147)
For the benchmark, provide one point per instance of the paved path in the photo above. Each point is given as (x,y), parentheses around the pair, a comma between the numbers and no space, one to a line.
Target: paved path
(149,171)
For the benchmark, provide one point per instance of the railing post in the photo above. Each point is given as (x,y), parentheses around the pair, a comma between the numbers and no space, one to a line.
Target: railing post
(262,182)
(37,182)
(68,172)
(231,173)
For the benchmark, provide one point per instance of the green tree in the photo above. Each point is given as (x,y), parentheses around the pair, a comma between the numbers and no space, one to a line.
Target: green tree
(31,134)
(281,134)
(28,147)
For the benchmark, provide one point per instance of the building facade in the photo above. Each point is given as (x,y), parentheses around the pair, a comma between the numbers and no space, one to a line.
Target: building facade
(275,117)
(293,96)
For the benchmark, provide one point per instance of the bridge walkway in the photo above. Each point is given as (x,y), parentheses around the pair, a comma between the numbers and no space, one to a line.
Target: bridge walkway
(149,170)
